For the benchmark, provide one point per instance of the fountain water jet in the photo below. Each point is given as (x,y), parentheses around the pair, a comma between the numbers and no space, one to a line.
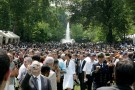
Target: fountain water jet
(67,36)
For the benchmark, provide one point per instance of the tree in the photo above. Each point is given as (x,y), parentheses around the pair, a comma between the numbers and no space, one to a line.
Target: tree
(77,32)
(4,15)
(25,15)
(131,5)
(109,14)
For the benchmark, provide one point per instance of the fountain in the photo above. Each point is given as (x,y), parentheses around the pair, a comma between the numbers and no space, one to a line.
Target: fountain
(67,36)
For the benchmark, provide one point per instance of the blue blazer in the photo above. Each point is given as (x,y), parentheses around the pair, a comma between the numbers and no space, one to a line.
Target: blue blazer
(102,76)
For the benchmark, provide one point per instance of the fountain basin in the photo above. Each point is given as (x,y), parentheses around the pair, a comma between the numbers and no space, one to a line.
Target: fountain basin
(67,41)
(67,38)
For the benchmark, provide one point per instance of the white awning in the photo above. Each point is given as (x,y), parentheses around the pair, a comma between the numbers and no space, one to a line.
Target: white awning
(9,34)
(1,38)
(9,37)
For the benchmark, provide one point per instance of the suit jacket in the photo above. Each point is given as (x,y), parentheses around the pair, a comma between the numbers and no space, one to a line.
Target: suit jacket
(77,66)
(102,76)
(52,78)
(116,87)
(29,84)
(81,75)
(81,67)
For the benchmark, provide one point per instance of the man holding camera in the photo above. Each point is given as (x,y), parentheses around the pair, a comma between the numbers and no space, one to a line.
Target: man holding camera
(34,80)
(124,76)
(100,73)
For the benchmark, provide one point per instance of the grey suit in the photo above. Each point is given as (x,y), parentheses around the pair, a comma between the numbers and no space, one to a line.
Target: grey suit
(116,87)
(52,78)
(29,84)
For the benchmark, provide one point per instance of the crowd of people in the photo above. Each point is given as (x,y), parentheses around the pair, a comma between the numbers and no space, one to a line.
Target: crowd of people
(56,66)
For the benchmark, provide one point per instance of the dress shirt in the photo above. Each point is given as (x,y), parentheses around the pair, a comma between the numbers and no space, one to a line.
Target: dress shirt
(88,66)
(52,78)
(62,65)
(87,59)
(22,73)
(39,81)
(117,60)
(101,65)
(81,62)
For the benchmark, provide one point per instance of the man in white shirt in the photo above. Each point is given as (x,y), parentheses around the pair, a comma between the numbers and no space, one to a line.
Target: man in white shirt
(87,71)
(62,71)
(23,69)
(49,61)
(87,58)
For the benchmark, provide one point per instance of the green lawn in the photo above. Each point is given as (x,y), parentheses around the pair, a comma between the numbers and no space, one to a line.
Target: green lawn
(77,87)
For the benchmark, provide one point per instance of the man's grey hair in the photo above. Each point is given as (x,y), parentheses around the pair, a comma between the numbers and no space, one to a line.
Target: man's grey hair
(37,53)
(29,59)
(62,55)
(49,60)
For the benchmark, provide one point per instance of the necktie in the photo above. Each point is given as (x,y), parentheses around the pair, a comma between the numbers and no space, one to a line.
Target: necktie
(101,65)
(36,82)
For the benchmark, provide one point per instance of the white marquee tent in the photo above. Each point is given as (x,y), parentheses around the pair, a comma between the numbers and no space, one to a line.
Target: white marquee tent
(1,38)
(132,37)
(8,37)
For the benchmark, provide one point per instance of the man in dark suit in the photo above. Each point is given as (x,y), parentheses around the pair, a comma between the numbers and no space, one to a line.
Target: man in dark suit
(100,73)
(81,72)
(34,80)
(124,76)
(77,62)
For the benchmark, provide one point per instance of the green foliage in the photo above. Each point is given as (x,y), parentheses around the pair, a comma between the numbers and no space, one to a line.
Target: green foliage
(132,30)
(4,15)
(111,15)
(131,5)
(92,20)
(40,32)
(33,20)
(77,32)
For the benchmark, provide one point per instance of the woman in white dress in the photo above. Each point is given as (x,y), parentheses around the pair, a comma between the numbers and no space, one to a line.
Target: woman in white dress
(70,72)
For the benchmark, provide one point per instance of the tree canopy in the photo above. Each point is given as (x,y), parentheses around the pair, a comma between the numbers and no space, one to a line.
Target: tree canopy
(111,15)
(92,20)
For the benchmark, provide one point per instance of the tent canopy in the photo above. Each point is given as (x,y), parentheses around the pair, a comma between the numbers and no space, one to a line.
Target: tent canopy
(9,37)
(9,34)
